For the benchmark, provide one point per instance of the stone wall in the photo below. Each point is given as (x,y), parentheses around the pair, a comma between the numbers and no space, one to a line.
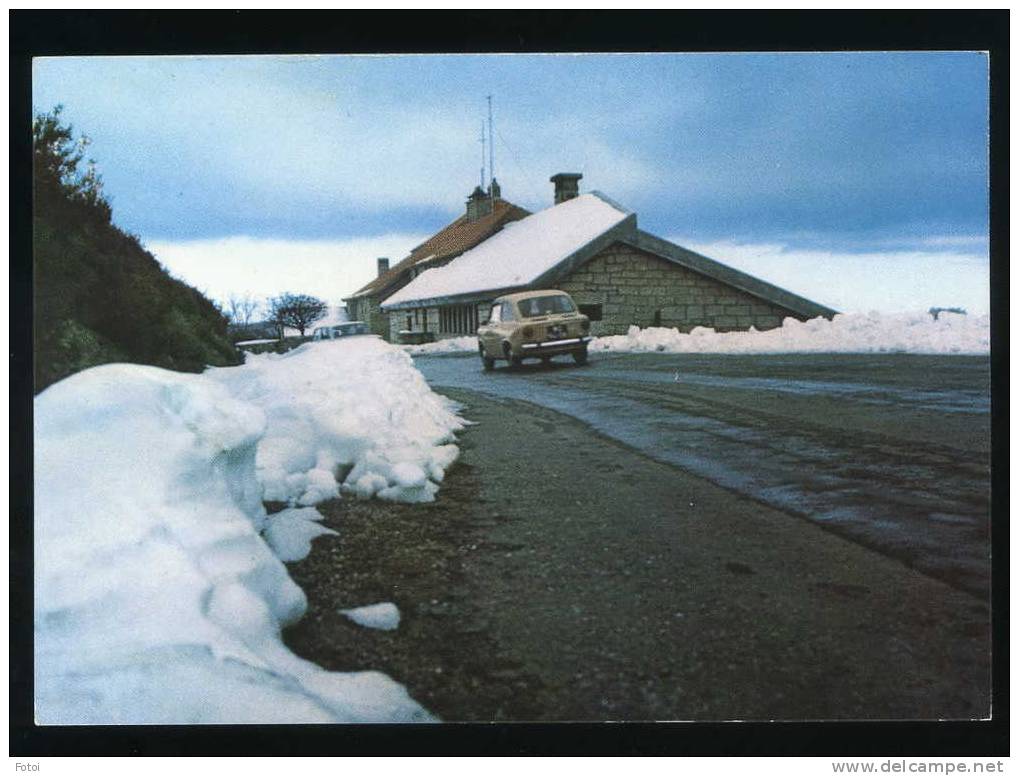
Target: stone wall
(398,322)
(638,288)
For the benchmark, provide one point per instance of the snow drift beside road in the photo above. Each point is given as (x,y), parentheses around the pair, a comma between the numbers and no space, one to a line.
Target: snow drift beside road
(159,588)
(354,406)
(451,345)
(950,333)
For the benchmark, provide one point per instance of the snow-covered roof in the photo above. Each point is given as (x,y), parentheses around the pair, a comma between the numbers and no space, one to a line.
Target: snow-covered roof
(457,237)
(519,254)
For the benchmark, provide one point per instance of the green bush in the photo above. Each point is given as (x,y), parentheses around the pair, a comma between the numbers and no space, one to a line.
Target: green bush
(99,295)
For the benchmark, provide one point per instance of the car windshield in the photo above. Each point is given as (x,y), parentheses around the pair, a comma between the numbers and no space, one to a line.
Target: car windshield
(545,305)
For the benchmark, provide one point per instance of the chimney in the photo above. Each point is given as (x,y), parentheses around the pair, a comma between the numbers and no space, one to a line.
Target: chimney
(566,186)
(479,204)
(383,266)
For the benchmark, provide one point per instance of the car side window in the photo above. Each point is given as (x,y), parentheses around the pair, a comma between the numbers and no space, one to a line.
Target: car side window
(507,311)
(493,317)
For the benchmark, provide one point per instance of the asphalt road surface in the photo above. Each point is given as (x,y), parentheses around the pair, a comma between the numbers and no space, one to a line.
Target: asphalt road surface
(563,575)
(891,451)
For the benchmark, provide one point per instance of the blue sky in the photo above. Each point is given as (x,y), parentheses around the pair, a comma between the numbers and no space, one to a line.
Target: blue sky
(227,166)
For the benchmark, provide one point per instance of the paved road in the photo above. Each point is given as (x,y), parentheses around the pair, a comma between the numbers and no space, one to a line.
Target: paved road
(890,450)
(532,590)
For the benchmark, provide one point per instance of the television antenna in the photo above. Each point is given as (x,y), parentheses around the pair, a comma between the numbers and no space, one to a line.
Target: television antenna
(482,154)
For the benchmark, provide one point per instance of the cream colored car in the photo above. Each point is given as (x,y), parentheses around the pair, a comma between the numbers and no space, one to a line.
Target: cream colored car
(533,324)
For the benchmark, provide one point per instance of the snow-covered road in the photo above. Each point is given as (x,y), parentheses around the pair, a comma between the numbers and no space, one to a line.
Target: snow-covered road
(891,450)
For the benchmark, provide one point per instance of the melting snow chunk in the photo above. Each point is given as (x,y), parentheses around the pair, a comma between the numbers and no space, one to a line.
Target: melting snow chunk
(384,616)
(289,533)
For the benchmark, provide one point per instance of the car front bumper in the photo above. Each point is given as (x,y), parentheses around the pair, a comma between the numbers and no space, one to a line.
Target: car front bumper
(554,346)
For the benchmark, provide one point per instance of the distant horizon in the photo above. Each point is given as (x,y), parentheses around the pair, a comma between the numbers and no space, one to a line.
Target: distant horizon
(856,180)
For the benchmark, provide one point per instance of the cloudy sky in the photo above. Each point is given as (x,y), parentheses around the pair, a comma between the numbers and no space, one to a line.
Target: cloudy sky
(859,180)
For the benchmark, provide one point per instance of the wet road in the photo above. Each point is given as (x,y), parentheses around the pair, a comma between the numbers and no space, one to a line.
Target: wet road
(892,451)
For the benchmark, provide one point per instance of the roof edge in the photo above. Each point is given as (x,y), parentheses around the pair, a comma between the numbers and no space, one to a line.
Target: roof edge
(465,298)
(732,277)
(625,229)
(394,274)
(611,202)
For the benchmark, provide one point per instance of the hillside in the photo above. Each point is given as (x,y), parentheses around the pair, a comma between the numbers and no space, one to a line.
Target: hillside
(99,295)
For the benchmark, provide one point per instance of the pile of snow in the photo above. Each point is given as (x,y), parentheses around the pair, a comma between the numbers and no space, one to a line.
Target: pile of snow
(384,616)
(289,533)
(354,407)
(520,253)
(950,333)
(157,600)
(451,345)
(336,313)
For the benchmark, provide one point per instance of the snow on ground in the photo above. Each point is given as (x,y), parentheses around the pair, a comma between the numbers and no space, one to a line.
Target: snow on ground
(451,345)
(384,616)
(845,333)
(160,590)
(354,406)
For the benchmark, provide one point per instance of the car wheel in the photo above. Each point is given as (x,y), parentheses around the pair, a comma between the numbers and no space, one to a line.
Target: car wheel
(580,356)
(514,361)
(486,361)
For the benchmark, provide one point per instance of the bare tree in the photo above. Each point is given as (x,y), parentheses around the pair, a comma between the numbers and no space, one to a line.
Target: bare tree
(297,311)
(241,309)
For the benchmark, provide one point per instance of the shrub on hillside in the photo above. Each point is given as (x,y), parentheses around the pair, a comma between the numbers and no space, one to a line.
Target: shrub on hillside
(99,295)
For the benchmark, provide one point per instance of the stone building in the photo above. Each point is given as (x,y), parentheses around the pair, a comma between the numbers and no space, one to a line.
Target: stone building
(486,213)
(618,274)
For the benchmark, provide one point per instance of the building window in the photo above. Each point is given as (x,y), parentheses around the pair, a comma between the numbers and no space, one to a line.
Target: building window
(592,311)
(458,319)
(410,323)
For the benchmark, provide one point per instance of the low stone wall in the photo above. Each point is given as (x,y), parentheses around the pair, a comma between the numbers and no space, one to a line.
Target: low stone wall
(277,346)
(638,288)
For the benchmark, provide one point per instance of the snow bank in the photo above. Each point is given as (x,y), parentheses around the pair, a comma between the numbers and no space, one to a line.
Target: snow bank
(354,407)
(451,345)
(384,616)
(156,598)
(950,333)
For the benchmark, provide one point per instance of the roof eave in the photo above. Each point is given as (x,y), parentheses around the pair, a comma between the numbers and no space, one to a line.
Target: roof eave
(466,298)
(731,277)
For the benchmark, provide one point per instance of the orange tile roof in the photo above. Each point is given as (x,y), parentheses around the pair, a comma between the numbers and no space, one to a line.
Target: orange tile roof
(457,237)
